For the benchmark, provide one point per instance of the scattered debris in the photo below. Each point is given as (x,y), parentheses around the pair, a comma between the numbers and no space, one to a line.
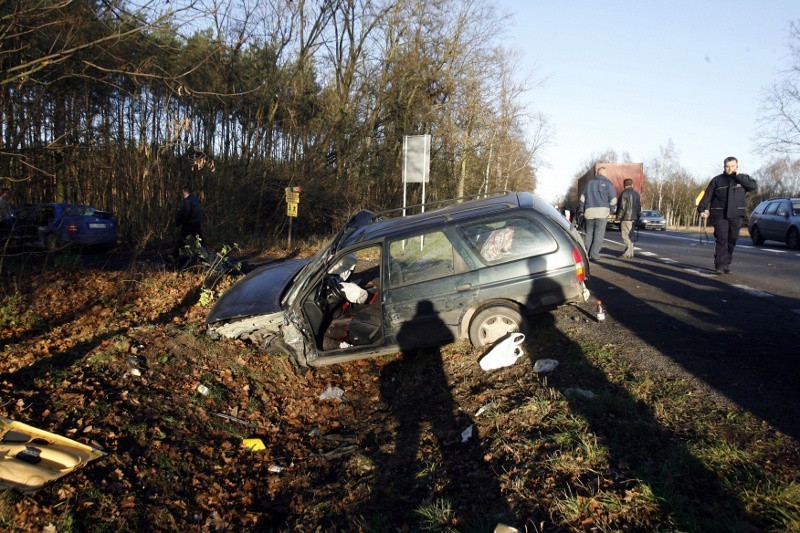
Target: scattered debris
(254,445)
(484,408)
(199,387)
(31,457)
(504,353)
(236,419)
(601,314)
(543,366)
(467,433)
(275,469)
(575,391)
(332,393)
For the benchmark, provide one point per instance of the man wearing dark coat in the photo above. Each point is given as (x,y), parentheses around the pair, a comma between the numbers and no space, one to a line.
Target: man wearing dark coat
(725,202)
(189,218)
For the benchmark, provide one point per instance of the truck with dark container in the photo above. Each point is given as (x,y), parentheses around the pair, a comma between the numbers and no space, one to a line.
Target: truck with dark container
(617,173)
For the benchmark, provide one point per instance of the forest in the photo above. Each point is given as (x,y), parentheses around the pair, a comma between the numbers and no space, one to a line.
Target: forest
(119,103)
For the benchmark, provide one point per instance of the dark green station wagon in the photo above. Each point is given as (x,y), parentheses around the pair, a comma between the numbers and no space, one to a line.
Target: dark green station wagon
(466,268)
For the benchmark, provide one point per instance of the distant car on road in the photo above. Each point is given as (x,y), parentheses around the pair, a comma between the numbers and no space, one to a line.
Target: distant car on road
(651,219)
(54,225)
(776,219)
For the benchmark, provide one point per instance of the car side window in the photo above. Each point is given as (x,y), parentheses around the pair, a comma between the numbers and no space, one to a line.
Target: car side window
(795,208)
(783,209)
(422,258)
(771,208)
(507,240)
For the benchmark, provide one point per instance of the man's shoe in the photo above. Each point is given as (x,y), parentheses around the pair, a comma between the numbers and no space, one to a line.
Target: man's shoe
(727,270)
(718,272)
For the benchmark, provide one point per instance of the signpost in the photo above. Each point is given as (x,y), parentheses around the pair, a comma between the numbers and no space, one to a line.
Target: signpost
(416,163)
(292,202)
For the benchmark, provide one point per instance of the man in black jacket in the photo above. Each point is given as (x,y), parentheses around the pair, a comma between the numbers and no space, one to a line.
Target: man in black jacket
(725,201)
(189,217)
(629,207)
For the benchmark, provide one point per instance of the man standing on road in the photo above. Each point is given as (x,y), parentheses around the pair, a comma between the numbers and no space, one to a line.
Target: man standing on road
(596,201)
(725,200)
(629,207)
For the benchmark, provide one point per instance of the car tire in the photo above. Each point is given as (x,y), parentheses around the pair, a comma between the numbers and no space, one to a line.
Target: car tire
(494,323)
(793,239)
(755,236)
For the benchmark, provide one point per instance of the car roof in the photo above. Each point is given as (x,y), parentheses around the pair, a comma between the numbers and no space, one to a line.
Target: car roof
(367,225)
(781,198)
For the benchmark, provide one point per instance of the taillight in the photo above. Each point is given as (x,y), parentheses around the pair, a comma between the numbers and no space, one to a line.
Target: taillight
(72,228)
(580,270)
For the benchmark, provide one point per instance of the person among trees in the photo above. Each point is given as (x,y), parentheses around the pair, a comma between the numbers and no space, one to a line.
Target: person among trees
(725,202)
(596,201)
(5,214)
(189,218)
(629,207)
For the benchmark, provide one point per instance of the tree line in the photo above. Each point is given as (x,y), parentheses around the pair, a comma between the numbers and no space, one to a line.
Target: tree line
(119,103)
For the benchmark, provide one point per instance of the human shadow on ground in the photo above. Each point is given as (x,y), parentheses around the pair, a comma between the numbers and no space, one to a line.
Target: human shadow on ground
(741,344)
(431,473)
(626,442)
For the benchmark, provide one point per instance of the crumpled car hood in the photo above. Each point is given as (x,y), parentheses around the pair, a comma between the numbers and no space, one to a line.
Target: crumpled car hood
(257,293)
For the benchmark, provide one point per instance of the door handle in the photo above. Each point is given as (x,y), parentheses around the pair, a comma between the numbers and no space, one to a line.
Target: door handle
(463,287)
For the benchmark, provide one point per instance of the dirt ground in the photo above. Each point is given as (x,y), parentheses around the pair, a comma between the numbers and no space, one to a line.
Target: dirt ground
(394,440)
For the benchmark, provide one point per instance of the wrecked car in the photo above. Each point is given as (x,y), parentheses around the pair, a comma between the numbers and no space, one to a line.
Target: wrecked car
(462,269)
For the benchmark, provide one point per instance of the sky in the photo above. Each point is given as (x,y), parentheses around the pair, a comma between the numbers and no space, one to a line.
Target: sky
(632,76)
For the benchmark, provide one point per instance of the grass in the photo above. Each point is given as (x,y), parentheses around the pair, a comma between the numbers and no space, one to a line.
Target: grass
(716,477)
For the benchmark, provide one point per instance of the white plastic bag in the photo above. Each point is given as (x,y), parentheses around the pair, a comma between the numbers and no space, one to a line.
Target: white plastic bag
(505,353)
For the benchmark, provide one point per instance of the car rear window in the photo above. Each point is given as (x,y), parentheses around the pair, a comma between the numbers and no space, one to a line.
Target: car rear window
(507,240)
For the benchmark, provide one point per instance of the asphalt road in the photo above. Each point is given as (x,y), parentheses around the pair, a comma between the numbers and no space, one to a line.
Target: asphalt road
(737,335)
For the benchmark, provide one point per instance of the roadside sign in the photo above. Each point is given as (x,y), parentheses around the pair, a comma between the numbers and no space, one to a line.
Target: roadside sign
(291,209)
(292,194)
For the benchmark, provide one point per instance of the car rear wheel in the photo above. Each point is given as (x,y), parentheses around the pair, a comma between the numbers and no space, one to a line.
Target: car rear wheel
(793,239)
(493,323)
(755,236)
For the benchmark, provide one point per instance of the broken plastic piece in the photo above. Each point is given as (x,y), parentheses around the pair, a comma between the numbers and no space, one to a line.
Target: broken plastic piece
(254,445)
(27,468)
(467,433)
(332,393)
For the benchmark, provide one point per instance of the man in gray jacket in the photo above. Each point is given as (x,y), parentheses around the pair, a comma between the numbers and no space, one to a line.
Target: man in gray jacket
(596,201)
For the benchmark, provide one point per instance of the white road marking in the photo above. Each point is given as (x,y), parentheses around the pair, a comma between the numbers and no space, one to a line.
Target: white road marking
(754,292)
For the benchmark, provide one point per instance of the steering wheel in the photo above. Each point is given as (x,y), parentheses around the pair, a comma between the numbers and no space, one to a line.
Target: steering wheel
(331,292)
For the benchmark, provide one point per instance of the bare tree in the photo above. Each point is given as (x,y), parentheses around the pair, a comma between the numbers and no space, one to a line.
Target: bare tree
(778,128)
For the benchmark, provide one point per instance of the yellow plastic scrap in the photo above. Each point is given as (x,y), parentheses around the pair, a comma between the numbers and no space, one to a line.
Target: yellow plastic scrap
(254,445)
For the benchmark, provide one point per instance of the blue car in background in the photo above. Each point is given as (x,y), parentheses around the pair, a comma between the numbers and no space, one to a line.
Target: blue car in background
(54,225)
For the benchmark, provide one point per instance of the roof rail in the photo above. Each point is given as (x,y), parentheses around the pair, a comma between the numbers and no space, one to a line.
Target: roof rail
(442,203)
